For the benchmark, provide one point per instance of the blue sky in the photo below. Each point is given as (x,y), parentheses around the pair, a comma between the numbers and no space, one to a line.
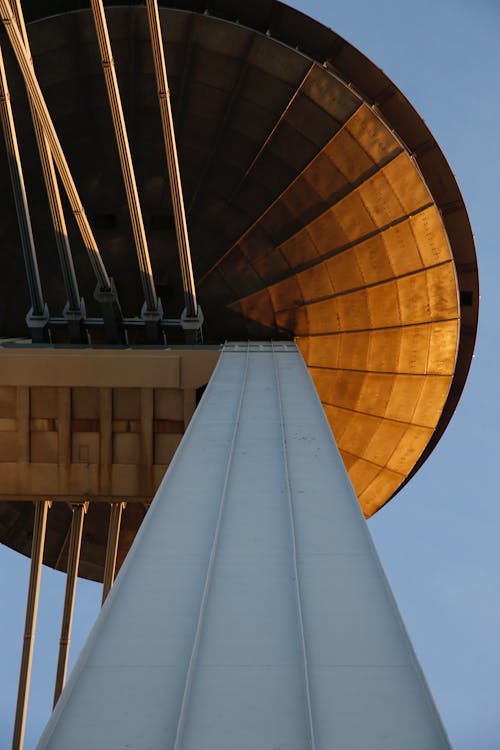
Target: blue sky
(439,540)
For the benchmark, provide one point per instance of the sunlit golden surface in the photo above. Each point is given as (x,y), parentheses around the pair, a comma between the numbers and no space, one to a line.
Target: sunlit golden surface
(370,293)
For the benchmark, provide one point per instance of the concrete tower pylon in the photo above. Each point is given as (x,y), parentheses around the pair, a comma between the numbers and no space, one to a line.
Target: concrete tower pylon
(252,611)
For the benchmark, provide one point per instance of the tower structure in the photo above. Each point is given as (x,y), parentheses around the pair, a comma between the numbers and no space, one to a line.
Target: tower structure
(319,208)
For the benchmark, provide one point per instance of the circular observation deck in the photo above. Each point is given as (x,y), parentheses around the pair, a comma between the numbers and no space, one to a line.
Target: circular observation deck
(319,207)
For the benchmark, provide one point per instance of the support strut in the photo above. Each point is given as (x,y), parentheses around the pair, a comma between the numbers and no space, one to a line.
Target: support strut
(192,316)
(38,317)
(37,547)
(115,519)
(74,311)
(75,543)
(106,293)
(152,310)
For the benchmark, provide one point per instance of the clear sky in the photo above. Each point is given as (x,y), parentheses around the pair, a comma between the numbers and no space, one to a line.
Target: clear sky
(439,540)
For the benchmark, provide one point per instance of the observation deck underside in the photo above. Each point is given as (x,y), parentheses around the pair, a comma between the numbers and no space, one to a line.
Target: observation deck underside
(319,207)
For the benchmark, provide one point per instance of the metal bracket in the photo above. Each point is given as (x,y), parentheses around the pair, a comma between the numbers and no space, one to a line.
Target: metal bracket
(75,319)
(192,326)
(152,323)
(39,326)
(112,314)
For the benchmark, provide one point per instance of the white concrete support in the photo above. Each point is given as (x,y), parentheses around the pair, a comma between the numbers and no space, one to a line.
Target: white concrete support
(252,611)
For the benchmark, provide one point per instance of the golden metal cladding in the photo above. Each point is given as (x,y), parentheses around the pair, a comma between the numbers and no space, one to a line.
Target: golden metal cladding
(371,296)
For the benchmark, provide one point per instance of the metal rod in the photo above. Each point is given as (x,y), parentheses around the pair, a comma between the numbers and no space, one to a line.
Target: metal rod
(52,187)
(125,156)
(37,547)
(274,202)
(75,543)
(273,131)
(34,90)
(21,201)
(115,520)
(172,159)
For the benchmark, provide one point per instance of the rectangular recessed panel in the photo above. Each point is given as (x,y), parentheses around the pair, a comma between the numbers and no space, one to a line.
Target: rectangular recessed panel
(85,448)
(43,447)
(168,403)
(8,448)
(8,402)
(126,403)
(85,403)
(43,402)
(126,448)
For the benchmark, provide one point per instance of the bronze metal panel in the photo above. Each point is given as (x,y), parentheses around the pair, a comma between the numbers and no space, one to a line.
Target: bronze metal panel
(384,484)
(372,135)
(433,245)
(432,397)
(442,348)
(409,448)
(361,472)
(359,432)
(300,248)
(345,271)
(385,350)
(385,442)
(404,397)
(372,259)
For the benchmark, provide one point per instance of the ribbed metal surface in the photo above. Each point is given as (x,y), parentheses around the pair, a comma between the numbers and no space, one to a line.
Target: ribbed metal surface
(251,611)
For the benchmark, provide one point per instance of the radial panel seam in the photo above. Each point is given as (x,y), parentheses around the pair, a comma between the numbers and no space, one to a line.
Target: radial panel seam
(272,132)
